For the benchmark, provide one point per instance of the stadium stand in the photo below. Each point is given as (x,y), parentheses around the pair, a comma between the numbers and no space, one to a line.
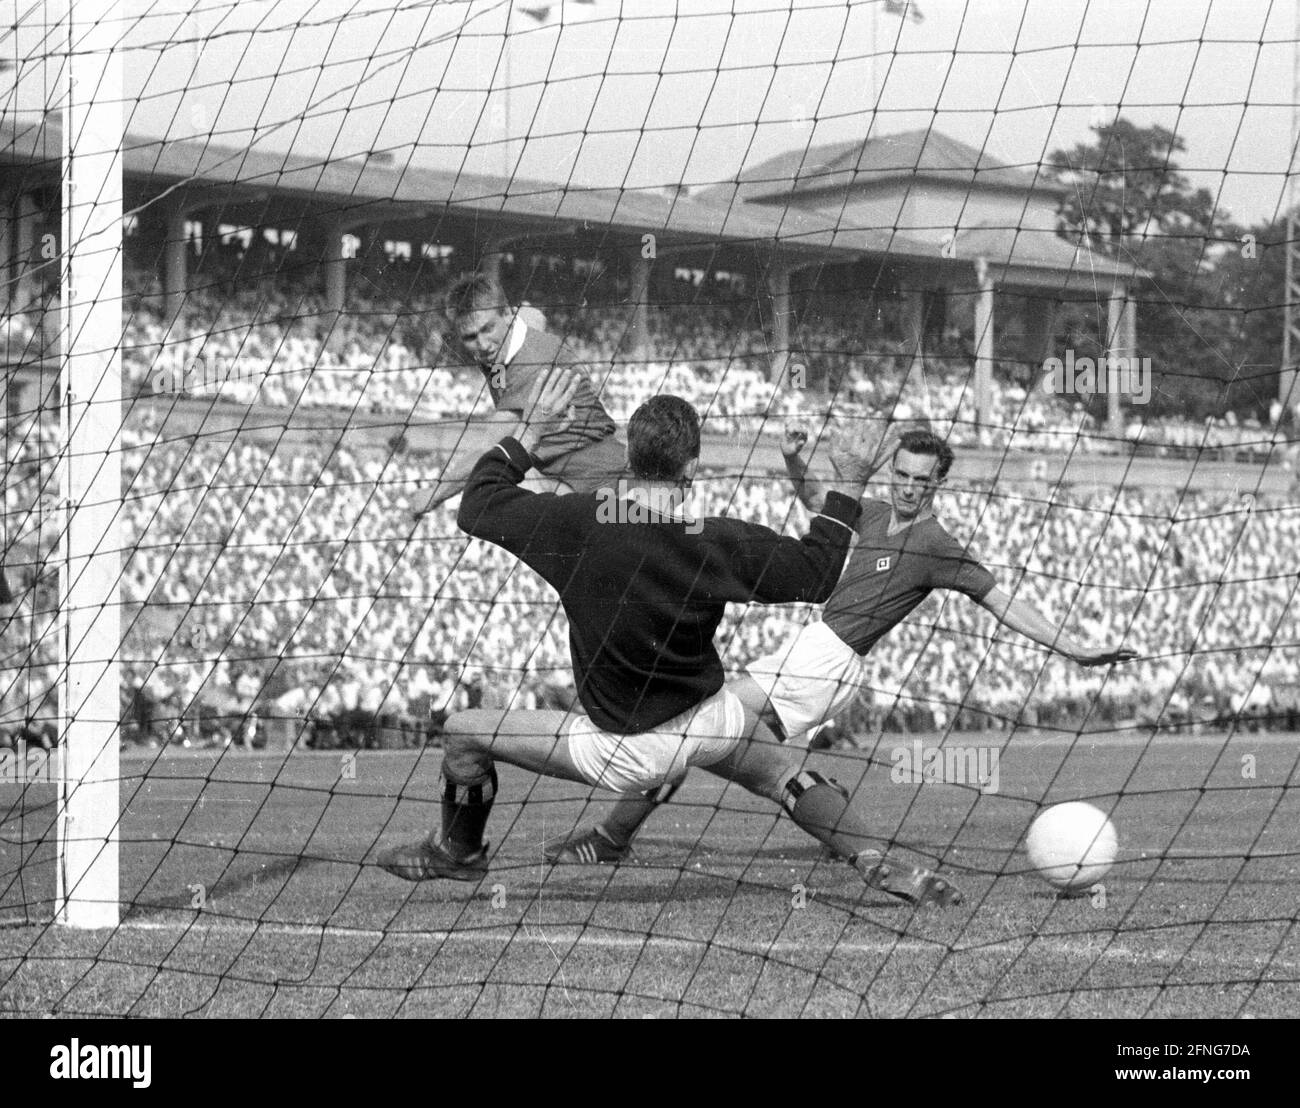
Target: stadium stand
(320,548)
(283,349)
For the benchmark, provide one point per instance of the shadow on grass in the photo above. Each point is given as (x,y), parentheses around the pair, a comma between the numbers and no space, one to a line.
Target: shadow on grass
(280,869)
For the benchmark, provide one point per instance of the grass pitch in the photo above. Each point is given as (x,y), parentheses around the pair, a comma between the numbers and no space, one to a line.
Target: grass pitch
(251,890)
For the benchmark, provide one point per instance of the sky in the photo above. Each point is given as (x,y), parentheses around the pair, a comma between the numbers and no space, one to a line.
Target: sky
(640,93)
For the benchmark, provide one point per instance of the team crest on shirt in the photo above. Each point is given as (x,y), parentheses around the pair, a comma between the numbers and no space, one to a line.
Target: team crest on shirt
(882,564)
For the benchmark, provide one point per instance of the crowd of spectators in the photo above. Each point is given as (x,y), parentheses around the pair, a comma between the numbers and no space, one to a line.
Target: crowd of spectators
(18,332)
(262,344)
(295,585)
(32,524)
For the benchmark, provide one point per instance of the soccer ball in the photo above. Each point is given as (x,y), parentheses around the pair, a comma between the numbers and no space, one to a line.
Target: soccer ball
(1072,845)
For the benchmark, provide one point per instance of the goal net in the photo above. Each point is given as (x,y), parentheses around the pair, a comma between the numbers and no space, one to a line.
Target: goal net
(233,638)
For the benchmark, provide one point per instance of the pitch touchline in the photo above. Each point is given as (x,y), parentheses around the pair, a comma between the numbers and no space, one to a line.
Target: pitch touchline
(587,937)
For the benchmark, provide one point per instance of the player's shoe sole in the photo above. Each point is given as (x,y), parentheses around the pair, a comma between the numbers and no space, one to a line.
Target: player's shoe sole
(917,886)
(590,848)
(426,860)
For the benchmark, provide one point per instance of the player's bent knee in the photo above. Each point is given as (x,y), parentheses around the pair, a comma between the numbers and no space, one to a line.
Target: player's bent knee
(456,724)
(467,733)
(473,721)
(457,749)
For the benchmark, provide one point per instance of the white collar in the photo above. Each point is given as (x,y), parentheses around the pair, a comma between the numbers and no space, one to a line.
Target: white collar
(671,504)
(514,339)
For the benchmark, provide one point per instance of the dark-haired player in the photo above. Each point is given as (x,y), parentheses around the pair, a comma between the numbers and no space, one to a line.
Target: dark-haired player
(645,588)
(903,554)
(513,357)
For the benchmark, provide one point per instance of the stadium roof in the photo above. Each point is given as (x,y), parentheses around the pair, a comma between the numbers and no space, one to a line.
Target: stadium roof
(911,156)
(353,187)
(375,189)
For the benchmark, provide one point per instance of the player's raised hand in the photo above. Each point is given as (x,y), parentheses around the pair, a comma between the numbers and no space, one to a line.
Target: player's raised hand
(809,490)
(1093,657)
(550,402)
(849,464)
(860,449)
(878,442)
(795,437)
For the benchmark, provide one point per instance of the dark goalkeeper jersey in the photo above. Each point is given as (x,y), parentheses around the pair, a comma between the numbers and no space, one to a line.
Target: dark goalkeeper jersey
(644,598)
(889,575)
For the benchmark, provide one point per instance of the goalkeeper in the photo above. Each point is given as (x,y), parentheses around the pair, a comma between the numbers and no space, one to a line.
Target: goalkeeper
(514,357)
(644,589)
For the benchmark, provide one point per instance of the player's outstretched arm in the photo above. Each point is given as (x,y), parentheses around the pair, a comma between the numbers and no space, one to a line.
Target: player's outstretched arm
(857,452)
(451,482)
(550,406)
(767,568)
(494,507)
(810,491)
(1027,620)
(455,474)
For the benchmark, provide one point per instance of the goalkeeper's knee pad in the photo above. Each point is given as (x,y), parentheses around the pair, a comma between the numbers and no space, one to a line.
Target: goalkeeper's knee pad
(481,792)
(801,783)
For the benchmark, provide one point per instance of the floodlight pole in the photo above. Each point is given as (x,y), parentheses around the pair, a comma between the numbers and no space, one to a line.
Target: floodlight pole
(87,881)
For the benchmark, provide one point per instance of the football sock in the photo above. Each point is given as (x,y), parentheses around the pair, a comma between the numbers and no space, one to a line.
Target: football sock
(821,808)
(465,811)
(625,820)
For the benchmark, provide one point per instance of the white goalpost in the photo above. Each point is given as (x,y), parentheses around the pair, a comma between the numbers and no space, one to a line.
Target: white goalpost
(87,877)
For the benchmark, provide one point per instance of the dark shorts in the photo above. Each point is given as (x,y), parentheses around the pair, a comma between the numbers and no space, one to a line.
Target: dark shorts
(597,466)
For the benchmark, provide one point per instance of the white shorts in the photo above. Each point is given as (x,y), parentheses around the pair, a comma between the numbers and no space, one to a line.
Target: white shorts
(810,680)
(701,736)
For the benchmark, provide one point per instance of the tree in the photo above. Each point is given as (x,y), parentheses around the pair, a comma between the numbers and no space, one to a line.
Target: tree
(1129,201)
(1250,282)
